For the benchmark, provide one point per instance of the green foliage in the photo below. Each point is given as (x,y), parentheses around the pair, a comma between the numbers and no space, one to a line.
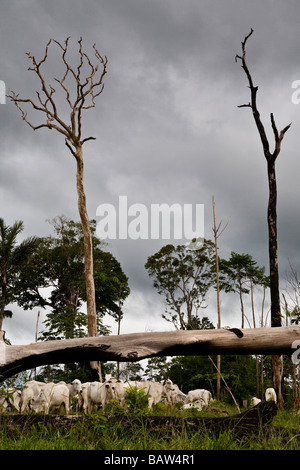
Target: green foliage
(193,372)
(240,274)
(58,264)
(131,371)
(13,261)
(183,277)
(157,368)
(95,433)
(137,400)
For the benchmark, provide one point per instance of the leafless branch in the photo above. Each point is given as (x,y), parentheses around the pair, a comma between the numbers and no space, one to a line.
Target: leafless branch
(88,87)
(253,105)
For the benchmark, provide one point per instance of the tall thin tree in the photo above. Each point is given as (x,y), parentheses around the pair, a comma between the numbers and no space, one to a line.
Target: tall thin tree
(217,233)
(80,86)
(277,363)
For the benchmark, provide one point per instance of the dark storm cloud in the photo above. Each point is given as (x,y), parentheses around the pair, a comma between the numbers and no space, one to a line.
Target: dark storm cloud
(167,125)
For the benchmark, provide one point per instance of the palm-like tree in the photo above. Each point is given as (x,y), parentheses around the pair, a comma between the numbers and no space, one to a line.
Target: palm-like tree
(12,258)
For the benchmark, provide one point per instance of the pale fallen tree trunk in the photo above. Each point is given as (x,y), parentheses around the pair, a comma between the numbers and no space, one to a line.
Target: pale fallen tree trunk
(136,346)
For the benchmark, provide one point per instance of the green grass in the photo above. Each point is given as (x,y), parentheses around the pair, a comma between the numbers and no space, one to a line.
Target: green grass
(98,434)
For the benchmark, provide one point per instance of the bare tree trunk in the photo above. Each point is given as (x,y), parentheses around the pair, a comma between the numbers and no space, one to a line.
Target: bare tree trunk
(261,376)
(273,250)
(215,230)
(3,299)
(88,259)
(242,303)
(87,89)
(277,362)
(88,246)
(217,234)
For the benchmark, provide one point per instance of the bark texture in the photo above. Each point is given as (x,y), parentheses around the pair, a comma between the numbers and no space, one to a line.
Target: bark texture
(136,346)
(272,207)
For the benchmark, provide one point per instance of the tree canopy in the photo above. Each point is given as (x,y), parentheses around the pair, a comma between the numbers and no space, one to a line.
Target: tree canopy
(54,278)
(13,258)
(183,276)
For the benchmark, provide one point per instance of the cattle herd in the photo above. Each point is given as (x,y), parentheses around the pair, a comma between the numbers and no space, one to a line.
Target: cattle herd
(40,397)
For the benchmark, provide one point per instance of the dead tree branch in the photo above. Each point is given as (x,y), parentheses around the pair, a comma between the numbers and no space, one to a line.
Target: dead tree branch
(253,105)
(89,86)
(137,346)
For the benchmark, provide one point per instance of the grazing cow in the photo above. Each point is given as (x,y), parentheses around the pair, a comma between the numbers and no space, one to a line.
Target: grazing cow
(54,395)
(255,401)
(99,393)
(270,395)
(83,396)
(198,405)
(74,390)
(120,392)
(199,394)
(173,393)
(29,391)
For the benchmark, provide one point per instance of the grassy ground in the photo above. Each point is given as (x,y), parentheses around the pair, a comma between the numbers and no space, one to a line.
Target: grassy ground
(97,434)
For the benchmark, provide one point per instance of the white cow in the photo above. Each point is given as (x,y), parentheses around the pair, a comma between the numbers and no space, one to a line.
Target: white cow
(255,401)
(199,394)
(120,391)
(173,393)
(99,393)
(83,396)
(74,390)
(29,391)
(270,395)
(198,404)
(168,387)
(50,396)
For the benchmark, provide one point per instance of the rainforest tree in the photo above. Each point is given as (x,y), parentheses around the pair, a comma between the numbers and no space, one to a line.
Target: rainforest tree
(183,276)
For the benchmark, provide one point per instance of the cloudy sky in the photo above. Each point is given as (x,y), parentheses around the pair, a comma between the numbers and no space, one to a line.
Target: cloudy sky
(167,128)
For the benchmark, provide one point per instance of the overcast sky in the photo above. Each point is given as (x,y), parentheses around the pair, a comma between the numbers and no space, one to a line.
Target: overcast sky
(167,128)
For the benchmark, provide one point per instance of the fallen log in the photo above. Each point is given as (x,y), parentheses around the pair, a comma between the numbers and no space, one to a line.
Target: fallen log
(136,346)
(253,420)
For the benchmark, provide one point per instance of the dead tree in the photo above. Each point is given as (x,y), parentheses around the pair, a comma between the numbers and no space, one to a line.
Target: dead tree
(217,234)
(137,346)
(80,85)
(277,363)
